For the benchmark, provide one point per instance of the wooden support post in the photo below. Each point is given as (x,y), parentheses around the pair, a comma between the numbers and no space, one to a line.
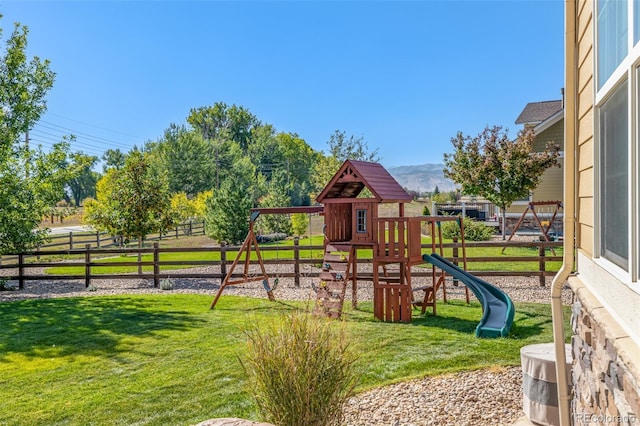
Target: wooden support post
(156,265)
(21,271)
(223,260)
(354,277)
(541,253)
(296,258)
(70,240)
(98,239)
(455,258)
(87,265)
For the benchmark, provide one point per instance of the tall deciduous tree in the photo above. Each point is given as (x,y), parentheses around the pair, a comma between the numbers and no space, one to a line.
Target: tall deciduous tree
(187,159)
(341,148)
(300,160)
(113,159)
(31,181)
(493,166)
(132,202)
(276,197)
(221,121)
(351,148)
(82,183)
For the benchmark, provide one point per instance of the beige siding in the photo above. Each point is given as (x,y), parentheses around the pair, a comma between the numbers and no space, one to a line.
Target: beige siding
(585,191)
(554,134)
(584,128)
(517,208)
(585,207)
(550,188)
(585,235)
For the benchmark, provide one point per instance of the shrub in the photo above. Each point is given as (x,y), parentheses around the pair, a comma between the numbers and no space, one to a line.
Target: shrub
(425,211)
(301,370)
(473,231)
(5,286)
(166,284)
(299,223)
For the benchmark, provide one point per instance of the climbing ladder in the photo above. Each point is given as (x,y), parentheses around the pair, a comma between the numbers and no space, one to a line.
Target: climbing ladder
(333,280)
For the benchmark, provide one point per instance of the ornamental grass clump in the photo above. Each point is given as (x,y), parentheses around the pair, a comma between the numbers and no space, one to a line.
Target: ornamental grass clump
(301,370)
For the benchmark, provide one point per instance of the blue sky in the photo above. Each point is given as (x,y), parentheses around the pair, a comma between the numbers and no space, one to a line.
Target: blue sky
(406,76)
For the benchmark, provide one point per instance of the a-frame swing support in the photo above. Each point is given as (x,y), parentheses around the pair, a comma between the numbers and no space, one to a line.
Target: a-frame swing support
(545,229)
(249,242)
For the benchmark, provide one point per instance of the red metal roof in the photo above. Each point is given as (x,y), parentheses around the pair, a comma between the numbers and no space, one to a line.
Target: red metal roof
(353,176)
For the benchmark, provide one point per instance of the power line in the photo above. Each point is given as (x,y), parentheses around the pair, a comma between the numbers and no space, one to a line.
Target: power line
(52,126)
(94,126)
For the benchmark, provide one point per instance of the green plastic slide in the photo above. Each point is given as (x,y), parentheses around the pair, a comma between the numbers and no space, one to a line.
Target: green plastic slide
(497,307)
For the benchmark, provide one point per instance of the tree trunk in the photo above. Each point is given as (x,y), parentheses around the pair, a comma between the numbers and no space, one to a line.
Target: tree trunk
(139,256)
(504,223)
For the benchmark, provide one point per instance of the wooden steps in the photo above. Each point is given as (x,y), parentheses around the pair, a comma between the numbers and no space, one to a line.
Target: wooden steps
(333,280)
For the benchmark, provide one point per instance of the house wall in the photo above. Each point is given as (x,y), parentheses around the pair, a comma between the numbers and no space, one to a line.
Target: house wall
(606,313)
(554,134)
(550,188)
(551,182)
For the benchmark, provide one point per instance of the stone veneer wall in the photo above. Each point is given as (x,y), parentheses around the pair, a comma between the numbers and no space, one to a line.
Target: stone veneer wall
(605,366)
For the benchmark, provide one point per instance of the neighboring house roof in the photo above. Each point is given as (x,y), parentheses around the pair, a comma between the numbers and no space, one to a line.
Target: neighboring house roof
(353,176)
(537,112)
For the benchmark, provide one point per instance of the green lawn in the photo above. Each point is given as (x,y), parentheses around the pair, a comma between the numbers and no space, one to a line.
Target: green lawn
(168,359)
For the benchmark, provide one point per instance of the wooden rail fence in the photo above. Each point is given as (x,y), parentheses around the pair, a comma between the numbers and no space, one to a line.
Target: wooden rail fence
(89,258)
(73,240)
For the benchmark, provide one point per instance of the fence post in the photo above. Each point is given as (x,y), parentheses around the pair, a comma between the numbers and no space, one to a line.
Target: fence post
(87,265)
(223,260)
(541,253)
(177,227)
(98,239)
(296,258)
(190,227)
(455,258)
(21,271)
(70,240)
(156,265)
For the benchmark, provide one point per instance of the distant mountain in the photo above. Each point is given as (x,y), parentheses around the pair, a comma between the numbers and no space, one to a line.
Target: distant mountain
(422,178)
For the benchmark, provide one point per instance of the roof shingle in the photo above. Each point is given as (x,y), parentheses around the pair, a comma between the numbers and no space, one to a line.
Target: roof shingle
(537,112)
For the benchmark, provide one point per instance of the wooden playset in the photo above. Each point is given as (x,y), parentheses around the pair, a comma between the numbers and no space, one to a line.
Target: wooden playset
(350,205)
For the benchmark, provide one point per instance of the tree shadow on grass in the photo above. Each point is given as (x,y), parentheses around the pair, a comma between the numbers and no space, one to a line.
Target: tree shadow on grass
(90,326)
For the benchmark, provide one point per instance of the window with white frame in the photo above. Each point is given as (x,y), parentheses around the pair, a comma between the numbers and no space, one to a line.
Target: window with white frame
(612,37)
(614,177)
(617,79)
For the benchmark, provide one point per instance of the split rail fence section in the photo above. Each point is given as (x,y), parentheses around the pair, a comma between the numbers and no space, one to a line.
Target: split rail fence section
(88,258)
